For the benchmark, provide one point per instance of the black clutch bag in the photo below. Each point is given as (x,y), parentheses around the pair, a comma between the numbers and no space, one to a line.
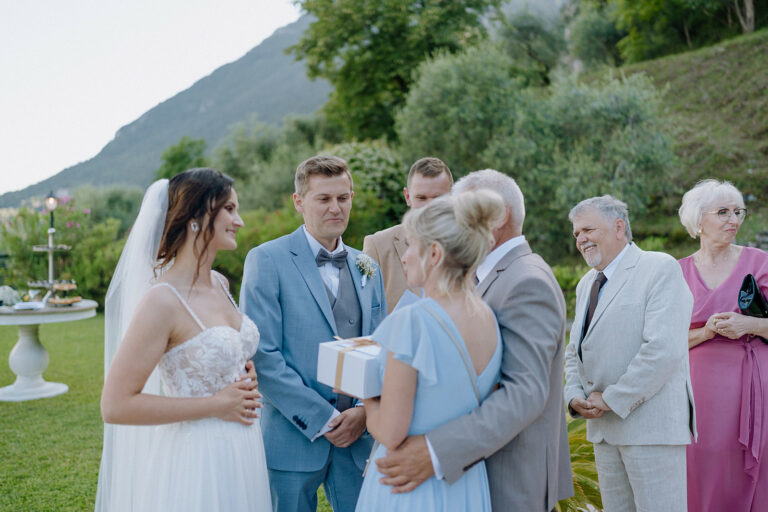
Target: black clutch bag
(751,300)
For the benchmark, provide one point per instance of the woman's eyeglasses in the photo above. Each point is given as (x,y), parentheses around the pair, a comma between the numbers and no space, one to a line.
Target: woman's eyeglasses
(724,213)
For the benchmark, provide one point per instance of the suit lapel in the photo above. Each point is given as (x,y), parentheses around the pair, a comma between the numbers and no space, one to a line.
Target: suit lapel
(362,297)
(501,266)
(615,284)
(307,268)
(398,240)
(582,303)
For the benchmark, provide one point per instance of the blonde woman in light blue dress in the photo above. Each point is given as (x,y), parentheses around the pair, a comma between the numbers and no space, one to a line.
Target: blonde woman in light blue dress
(441,354)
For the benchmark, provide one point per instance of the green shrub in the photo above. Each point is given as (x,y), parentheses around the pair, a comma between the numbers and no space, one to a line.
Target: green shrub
(458,103)
(584,140)
(563,144)
(96,247)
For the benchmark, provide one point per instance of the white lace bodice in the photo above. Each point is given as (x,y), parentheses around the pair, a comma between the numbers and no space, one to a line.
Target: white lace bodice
(209,361)
(206,363)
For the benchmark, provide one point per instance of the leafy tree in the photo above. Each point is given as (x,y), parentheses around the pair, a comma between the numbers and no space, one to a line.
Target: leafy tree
(187,153)
(535,43)
(661,27)
(746,15)
(457,105)
(368,50)
(654,28)
(594,36)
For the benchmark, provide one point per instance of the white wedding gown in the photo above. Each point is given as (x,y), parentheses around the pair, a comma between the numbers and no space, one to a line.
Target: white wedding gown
(206,465)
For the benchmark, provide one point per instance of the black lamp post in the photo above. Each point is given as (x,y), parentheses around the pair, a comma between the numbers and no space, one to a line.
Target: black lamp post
(51,202)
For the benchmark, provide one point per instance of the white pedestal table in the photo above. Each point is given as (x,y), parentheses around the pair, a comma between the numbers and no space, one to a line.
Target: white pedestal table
(29,358)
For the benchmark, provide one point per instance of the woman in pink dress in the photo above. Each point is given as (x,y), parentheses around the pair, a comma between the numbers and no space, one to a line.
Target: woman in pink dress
(728,465)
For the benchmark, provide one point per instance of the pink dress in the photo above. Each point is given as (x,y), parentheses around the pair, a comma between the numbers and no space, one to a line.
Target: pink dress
(727,470)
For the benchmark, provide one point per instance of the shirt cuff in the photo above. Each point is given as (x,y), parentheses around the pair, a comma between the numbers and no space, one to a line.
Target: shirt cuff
(326,428)
(435,463)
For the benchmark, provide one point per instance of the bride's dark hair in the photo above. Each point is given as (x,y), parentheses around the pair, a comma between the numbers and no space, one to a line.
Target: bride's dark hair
(191,195)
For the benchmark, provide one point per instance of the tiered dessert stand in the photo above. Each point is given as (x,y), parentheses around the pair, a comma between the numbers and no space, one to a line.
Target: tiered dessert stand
(29,358)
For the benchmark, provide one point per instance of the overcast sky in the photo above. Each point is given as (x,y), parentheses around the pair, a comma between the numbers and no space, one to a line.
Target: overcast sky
(74,71)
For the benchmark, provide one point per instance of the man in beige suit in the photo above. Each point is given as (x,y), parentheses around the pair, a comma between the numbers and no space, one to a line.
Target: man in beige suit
(428,178)
(627,362)
(520,429)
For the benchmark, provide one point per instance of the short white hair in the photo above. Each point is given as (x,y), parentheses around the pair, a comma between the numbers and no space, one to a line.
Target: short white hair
(505,186)
(705,195)
(608,207)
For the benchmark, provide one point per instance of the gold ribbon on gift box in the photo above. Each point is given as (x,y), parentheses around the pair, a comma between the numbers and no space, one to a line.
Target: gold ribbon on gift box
(356,343)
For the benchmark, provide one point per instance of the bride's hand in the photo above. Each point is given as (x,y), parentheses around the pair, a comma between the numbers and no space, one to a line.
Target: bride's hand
(238,402)
(250,376)
(250,373)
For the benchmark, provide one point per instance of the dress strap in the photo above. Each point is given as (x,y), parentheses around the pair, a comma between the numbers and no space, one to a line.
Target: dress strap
(226,290)
(183,303)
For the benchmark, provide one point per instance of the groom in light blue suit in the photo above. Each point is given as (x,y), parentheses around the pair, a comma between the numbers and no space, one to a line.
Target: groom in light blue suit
(303,289)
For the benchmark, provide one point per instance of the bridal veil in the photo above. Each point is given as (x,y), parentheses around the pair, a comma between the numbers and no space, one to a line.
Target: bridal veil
(125,446)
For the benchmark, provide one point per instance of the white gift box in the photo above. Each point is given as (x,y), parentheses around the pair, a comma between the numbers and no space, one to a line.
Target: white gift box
(351,366)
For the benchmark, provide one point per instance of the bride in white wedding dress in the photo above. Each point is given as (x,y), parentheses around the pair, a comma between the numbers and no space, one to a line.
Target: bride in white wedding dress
(180,396)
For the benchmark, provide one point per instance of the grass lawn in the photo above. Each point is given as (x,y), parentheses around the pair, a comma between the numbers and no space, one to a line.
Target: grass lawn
(50,448)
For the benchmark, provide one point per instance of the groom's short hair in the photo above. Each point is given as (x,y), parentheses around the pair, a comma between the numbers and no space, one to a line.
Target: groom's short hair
(321,165)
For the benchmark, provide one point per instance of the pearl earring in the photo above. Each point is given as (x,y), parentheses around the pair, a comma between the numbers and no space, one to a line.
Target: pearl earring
(193,227)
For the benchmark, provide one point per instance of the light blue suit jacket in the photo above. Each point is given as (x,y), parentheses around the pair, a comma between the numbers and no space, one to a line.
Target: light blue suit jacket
(283,293)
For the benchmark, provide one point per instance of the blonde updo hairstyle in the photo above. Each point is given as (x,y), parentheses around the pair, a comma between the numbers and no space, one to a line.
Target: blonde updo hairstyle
(461,225)
(705,195)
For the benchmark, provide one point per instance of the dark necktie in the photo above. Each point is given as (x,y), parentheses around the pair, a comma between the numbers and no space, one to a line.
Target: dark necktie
(594,294)
(337,260)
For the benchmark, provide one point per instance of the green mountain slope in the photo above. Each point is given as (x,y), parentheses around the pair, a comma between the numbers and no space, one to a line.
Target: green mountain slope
(265,83)
(717,101)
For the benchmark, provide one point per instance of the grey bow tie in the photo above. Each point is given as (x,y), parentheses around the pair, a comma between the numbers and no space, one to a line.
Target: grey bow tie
(337,260)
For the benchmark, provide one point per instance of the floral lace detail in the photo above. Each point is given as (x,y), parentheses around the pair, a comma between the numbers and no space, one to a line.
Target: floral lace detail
(209,361)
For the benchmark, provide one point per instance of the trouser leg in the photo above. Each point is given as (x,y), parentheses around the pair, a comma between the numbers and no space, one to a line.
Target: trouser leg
(343,481)
(295,491)
(615,489)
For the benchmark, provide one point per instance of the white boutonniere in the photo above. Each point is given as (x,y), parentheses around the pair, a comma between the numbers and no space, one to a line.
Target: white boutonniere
(366,266)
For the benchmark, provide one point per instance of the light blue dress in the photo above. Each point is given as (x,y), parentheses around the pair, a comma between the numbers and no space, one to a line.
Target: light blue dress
(443,392)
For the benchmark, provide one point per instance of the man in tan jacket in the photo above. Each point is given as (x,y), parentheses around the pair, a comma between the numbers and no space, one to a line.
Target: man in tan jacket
(428,178)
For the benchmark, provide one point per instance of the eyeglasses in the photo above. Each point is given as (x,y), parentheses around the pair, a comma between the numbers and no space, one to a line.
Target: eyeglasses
(724,213)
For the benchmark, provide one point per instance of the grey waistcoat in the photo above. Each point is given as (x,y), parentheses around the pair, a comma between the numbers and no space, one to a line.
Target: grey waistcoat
(348,317)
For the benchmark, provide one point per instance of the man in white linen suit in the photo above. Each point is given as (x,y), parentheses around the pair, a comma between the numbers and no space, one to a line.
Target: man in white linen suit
(627,362)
